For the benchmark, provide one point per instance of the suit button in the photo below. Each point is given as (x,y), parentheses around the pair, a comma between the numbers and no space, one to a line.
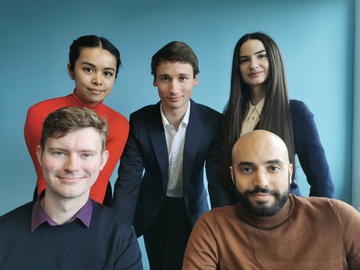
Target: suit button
(154,214)
(162,198)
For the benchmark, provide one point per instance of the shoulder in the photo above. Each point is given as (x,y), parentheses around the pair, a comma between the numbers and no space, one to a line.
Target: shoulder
(114,116)
(18,216)
(109,218)
(205,110)
(300,112)
(50,102)
(221,215)
(323,205)
(146,111)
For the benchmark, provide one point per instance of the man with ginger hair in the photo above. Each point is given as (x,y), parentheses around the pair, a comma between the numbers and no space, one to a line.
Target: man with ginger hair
(64,228)
(270,229)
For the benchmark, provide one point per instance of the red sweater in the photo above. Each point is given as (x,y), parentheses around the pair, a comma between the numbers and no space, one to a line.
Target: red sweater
(115,140)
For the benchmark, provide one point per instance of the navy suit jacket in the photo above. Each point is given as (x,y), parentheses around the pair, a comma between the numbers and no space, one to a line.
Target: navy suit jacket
(141,186)
(310,152)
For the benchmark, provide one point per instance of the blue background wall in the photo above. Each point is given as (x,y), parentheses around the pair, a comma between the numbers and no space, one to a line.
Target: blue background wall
(315,38)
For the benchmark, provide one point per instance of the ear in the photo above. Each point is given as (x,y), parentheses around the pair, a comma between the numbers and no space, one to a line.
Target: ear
(154,83)
(196,80)
(104,159)
(232,174)
(290,171)
(71,74)
(39,153)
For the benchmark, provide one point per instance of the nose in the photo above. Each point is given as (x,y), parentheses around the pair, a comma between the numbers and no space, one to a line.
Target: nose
(72,163)
(96,80)
(174,88)
(261,179)
(254,64)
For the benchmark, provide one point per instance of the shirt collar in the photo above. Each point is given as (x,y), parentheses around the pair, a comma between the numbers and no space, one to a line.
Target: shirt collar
(39,215)
(258,108)
(184,121)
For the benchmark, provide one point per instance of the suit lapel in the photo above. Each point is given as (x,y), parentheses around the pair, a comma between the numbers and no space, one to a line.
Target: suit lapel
(157,137)
(193,134)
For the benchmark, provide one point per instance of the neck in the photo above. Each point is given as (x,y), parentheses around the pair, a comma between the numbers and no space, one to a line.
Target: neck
(175,116)
(257,93)
(61,210)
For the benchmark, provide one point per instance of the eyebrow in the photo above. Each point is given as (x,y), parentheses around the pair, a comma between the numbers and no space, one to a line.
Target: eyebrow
(92,65)
(254,53)
(248,163)
(65,150)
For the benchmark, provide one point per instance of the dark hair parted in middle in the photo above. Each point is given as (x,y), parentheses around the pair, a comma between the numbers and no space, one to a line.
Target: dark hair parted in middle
(69,119)
(175,51)
(92,41)
(275,115)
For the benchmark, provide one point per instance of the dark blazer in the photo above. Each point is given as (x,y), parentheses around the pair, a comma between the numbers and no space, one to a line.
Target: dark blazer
(143,173)
(310,152)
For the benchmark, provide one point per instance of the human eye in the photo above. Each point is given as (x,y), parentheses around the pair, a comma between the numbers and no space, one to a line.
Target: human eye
(182,78)
(108,74)
(246,169)
(243,60)
(262,55)
(165,79)
(58,153)
(87,155)
(274,168)
(88,70)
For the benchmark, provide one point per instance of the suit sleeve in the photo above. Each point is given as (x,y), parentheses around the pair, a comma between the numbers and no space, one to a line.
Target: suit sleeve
(202,250)
(219,194)
(310,151)
(127,186)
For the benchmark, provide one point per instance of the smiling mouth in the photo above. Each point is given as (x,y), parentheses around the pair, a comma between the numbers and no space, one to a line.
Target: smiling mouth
(96,91)
(255,74)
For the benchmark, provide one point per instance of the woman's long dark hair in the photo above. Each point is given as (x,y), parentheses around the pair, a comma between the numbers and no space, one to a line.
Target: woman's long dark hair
(275,115)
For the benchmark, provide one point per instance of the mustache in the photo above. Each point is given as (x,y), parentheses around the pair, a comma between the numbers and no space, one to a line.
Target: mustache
(261,190)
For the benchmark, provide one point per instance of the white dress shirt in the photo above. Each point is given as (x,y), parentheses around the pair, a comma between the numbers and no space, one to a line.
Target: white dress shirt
(175,141)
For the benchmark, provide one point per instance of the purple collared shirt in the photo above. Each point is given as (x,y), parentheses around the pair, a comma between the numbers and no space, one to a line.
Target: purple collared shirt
(39,215)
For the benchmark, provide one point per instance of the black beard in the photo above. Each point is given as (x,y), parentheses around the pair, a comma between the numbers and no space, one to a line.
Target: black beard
(261,209)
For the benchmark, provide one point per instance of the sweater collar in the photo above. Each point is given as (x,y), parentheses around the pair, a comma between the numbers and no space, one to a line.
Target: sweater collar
(75,101)
(267,222)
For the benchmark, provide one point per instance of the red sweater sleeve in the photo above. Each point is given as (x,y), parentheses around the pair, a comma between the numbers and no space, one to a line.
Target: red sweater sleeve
(115,141)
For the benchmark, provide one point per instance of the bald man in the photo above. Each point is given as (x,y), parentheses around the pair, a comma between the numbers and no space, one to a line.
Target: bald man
(270,229)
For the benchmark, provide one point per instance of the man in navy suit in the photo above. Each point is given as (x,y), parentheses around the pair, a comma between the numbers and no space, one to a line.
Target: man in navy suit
(160,187)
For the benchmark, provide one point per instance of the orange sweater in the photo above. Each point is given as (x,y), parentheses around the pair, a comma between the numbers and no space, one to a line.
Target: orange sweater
(115,140)
(308,233)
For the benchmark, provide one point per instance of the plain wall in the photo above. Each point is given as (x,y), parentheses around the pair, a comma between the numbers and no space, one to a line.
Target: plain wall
(315,38)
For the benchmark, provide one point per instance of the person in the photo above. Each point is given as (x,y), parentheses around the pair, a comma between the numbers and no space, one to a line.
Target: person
(64,228)
(93,64)
(270,229)
(259,100)
(160,185)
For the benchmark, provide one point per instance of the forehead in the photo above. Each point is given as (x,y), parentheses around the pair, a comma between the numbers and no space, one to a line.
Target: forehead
(174,68)
(251,46)
(79,140)
(260,150)
(97,56)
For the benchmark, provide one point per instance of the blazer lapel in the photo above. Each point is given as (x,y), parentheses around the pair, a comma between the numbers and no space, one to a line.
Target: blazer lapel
(193,134)
(157,137)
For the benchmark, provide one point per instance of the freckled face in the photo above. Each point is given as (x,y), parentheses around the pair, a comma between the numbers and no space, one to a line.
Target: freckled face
(71,164)
(94,75)
(254,63)
(175,82)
